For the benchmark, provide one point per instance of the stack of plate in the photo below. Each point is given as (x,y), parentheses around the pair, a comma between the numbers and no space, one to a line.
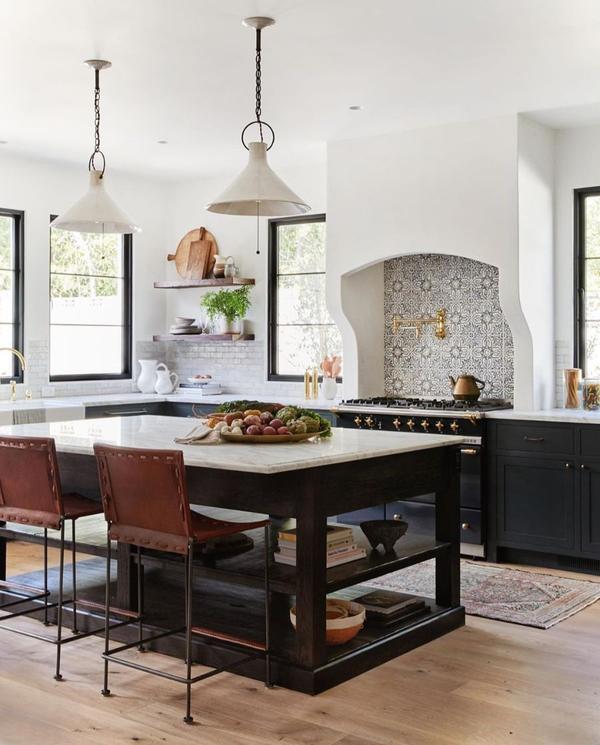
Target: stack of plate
(184,326)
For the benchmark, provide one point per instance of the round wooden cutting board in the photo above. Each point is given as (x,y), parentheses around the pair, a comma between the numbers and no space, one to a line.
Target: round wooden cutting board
(194,257)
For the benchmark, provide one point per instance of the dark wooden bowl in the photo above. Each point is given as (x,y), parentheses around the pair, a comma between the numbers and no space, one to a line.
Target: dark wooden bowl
(384,532)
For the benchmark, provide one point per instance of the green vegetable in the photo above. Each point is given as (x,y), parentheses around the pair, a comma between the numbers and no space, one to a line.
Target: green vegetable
(286,414)
(312,424)
(296,427)
(231,406)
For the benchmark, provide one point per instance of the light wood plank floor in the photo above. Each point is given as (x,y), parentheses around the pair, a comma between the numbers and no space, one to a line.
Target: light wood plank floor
(489,683)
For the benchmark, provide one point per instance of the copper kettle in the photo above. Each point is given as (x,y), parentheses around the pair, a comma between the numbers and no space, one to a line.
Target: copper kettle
(466,387)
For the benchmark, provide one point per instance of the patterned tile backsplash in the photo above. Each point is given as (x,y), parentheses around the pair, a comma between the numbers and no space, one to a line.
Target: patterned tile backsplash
(478,340)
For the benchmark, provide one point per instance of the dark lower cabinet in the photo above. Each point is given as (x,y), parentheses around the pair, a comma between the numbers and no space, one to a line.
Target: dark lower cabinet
(536,503)
(590,508)
(544,508)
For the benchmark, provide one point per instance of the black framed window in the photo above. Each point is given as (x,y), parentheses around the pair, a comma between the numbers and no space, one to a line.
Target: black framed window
(90,306)
(11,292)
(301,331)
(587,281)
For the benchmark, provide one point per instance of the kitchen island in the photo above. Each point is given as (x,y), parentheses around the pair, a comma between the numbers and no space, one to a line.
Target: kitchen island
(308,482)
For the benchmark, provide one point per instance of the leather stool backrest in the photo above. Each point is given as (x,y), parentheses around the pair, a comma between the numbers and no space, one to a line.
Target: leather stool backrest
(144,496)
(30,490)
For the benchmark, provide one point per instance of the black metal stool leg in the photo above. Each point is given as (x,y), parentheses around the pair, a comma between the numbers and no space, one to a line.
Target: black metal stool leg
(140,598)
(188,719)
(74,573)
(268,682)
(46,621)
(106,689)
(59,609)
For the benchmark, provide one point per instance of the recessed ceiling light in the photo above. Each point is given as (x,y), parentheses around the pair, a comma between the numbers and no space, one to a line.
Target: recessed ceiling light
(162,142)
(356,107)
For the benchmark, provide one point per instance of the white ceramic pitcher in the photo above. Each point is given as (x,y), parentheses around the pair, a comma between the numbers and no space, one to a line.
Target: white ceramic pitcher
(147,377)
(166,381)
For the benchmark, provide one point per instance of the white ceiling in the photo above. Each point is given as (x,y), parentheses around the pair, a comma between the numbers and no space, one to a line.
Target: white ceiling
(183,71)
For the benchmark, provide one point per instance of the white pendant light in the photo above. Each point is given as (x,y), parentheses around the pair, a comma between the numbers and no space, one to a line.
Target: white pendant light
(96,212)
(258,190)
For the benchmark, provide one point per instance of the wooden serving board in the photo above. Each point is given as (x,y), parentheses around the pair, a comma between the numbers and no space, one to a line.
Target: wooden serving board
(194,257)
(269,439)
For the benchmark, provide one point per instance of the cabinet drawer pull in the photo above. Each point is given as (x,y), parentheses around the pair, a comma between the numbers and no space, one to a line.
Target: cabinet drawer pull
(567,465)
(466,526)
(583,467)
(527,438)
(469,451)
(130,412)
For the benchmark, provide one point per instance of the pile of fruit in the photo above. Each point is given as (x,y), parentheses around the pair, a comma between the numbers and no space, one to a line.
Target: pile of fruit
(288,420)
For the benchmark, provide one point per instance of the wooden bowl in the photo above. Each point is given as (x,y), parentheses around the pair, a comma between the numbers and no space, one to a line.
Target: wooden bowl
(344,619)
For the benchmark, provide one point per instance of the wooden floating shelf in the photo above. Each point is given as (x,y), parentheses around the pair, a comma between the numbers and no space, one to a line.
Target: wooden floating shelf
(178,284)
(203,337)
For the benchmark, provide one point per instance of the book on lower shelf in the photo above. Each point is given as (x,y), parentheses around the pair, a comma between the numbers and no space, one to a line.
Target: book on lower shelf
(335,556)
(386,607)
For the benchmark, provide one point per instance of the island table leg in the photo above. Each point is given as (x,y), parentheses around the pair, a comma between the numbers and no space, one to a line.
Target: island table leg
(311,575)
(126,597)
(447,529)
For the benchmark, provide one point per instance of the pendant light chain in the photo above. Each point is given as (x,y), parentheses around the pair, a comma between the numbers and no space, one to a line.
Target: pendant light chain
(258,109)
(97,151)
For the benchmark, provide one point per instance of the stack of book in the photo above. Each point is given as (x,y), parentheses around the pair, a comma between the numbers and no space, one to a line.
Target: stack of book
(386,607)
(341,547)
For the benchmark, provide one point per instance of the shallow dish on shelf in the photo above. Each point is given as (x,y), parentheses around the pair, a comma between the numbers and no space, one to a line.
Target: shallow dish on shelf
(339,629)
(270,438)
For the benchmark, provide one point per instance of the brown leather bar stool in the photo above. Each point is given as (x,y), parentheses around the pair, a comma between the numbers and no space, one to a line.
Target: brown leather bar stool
(146,504)
(31,494)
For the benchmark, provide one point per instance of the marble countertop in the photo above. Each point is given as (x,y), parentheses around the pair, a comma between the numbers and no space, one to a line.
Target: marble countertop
(575,416)
(159,432)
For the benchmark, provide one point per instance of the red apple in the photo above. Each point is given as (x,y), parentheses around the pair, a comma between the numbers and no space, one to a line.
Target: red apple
(283,430)
(253,429)
(276,423)
(266,417)
(269,431)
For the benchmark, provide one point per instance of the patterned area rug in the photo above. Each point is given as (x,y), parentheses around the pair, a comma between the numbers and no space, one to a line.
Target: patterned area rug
(512,595)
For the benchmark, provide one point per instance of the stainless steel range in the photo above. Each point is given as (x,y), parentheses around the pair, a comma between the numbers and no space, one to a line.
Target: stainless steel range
(430,416)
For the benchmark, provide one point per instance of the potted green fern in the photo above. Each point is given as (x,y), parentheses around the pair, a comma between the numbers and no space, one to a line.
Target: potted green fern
(227,309)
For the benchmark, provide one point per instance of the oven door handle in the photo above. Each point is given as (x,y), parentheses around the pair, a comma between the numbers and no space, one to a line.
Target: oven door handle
(469,451)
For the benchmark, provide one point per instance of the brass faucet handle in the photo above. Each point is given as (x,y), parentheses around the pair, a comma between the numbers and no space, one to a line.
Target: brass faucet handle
(13,390)
(28,395)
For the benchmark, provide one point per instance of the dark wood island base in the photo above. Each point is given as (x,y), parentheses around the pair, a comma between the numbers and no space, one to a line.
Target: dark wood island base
(301,660)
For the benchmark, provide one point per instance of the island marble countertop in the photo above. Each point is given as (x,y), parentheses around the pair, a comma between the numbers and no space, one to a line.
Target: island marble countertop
(574,416)
(159,432)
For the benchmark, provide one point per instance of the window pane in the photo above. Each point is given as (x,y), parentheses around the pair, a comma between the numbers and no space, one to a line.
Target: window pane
(86,253)
(301,248)
(592,225)
(592,290)
(592,349)
(6,358)
(299,347)
(86,300)
(7,233)
(86,350)
(7,284)
(301,299)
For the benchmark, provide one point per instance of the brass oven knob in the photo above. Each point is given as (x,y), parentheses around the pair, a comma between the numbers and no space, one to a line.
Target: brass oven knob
(358,421)
(369,422)
(439,425)
(454,426)
(425,424)
(410,424)
(397,423)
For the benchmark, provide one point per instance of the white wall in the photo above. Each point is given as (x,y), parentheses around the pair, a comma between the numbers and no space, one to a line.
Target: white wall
(449,190)
(536,251)
(44,188)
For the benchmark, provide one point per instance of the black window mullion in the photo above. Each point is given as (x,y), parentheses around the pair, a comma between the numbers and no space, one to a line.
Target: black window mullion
(18,217)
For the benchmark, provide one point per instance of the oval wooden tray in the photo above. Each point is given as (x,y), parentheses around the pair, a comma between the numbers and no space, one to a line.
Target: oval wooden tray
(269,439)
